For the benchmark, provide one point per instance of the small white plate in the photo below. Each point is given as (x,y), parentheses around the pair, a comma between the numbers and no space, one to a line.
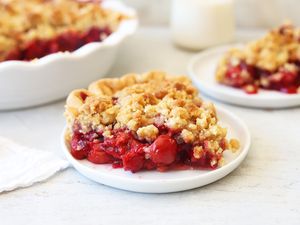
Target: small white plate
(171,181)
(202,71)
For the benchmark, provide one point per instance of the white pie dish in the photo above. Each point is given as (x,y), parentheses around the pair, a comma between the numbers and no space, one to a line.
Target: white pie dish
(171,181)
(202,71)
(24,84)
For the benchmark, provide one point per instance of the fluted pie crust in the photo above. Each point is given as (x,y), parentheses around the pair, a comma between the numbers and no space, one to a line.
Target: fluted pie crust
(149,107)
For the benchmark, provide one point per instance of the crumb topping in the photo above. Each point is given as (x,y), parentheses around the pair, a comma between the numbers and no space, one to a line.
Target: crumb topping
(145,103)
(274,50)
(22,21)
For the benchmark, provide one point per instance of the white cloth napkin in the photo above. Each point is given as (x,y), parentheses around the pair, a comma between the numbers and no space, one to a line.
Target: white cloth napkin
(21,166)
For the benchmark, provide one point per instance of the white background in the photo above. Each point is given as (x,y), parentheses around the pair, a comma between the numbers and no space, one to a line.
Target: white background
(265,189)
(249,13)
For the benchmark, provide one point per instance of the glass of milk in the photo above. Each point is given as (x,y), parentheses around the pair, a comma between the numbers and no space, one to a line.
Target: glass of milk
(198,24)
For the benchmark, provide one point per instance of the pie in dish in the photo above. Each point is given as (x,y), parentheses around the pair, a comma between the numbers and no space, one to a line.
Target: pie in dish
(272,62)
(145,122)
(35,28)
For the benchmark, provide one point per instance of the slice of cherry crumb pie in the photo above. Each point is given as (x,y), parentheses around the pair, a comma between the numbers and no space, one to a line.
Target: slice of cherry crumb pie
(145,122)
(271,62)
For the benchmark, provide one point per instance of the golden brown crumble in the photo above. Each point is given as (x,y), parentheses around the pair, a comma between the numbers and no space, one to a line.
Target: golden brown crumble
(234,144)
(25,20)
(143,103)
(276,49)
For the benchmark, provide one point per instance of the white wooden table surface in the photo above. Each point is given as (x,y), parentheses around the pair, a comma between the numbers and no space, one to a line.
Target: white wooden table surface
(265,189)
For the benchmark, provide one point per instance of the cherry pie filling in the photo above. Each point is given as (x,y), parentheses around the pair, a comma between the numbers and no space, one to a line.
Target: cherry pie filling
(68,41)
(250,78)
(151,121)
(124,149)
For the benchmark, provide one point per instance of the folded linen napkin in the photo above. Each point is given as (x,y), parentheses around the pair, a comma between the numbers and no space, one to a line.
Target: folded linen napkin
(21,166)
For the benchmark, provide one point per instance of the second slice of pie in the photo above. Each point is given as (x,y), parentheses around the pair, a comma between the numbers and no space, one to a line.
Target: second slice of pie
(271,62)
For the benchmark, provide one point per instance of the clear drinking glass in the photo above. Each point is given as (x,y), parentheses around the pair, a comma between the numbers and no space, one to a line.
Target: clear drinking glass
(198,24)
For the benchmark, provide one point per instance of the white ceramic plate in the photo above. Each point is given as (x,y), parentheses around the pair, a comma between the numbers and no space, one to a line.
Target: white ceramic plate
(171,181)
(24,84)
(202,71)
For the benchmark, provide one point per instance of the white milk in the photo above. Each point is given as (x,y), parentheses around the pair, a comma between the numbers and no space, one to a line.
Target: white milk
(198,24)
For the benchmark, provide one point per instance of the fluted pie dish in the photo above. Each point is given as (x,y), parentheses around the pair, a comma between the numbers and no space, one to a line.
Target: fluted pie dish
(56,43)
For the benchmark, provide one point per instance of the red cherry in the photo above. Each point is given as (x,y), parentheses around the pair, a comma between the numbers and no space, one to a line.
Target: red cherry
(149,165)
(235,75)
(289,90)
(93,35)
(79,154)
(68,41)
(133,161)
(163,150)
(123,138)
(79,147)
(83,96)
(53,46)
(98,156)
(34,49)
(233,71)
(234,78)
(14,55)
(117,164)
(288,78)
